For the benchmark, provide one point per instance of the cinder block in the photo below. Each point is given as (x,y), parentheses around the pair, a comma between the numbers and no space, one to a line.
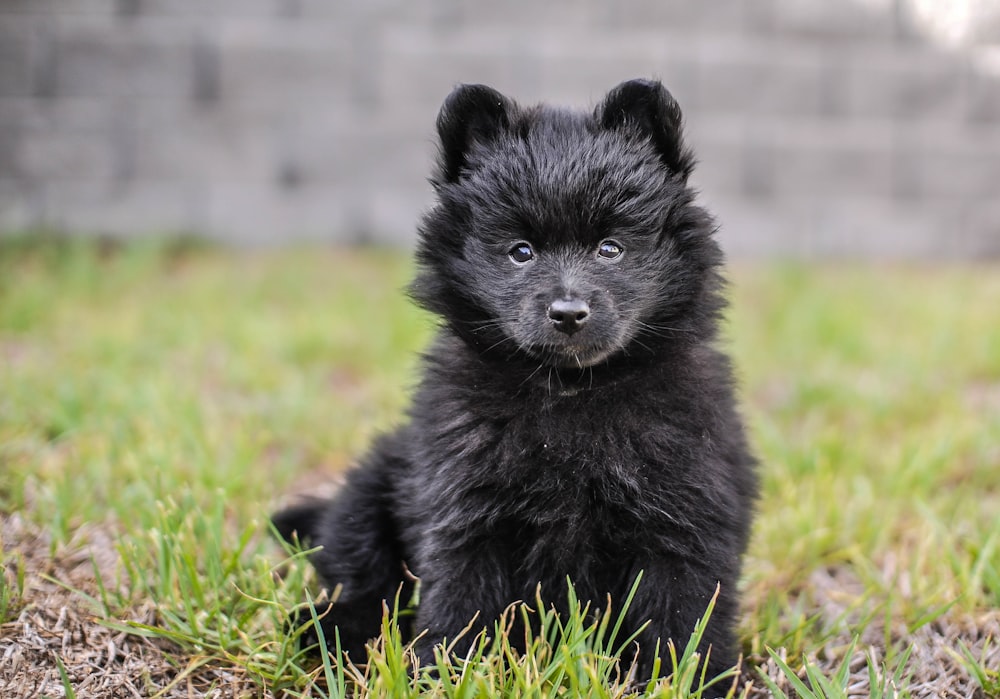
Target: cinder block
(580,76)
(428,15)
(21,204)
(982,89)
(929,91)
(16,35)
(97,59)
(184,141)
(384,151)
(54,138)
(937,229)
(753,229)
(205,59)
(981,238)
(261,62)
(249,213)
(945,163)
(832,169)
(58,7)
(398,158)
(820,227)
(393,215)
(41,117)
(263,214)
(334,148)
(759,77)
(852,226)
(133,209)
(758,163)
(469,14)
(27,55)
(207,8)
(721,16)
(9,140)
(833,21)
(986,29)
(573,69)
(785,158)
(415,84)
(718,172)
(908,83)
(65,154)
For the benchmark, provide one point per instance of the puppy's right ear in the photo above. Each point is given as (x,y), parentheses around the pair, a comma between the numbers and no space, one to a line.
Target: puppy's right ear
(645,106)
(470,114)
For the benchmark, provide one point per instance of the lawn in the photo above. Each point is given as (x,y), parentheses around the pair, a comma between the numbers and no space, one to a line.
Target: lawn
(158,400)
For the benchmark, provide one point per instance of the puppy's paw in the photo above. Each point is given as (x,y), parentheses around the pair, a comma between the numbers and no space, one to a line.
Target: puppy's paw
(328,626)
(302,626)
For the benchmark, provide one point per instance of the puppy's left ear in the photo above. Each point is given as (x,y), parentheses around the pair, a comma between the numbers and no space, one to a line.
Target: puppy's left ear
(470,114)
(648,107)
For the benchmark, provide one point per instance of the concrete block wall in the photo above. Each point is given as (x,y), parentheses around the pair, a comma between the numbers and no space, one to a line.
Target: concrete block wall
(824,128)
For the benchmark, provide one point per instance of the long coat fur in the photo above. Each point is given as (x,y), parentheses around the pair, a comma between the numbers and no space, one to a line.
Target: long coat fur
(574,418)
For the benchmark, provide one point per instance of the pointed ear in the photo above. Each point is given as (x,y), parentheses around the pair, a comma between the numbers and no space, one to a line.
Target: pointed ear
(471,113)
(648,107)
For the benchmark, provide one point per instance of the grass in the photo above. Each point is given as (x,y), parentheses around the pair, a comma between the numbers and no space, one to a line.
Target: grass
(157,400)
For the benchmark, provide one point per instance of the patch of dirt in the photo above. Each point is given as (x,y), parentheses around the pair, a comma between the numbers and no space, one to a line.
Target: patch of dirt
(58,626)
(983,397)
(934,669)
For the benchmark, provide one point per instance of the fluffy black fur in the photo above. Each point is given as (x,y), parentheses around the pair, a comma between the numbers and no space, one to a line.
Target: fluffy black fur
(574,418)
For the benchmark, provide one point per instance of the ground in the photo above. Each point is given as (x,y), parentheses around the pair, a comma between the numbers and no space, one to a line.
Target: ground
(159,399)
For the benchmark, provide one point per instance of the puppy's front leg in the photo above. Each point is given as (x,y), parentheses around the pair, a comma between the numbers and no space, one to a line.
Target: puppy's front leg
(465,594)
(672,598)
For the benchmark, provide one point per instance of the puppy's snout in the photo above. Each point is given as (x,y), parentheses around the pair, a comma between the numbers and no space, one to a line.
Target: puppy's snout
(569,315)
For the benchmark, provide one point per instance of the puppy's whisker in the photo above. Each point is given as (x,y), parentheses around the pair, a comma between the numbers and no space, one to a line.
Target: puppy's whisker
(499,342)
(660,330)
(646,347)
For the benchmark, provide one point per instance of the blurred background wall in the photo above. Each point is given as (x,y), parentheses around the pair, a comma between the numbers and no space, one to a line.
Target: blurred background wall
(824,127)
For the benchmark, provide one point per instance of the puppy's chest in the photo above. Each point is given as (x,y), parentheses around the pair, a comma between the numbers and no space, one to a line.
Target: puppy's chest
(564,473)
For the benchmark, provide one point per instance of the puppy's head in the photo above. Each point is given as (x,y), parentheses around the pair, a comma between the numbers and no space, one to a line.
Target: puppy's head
(566,238)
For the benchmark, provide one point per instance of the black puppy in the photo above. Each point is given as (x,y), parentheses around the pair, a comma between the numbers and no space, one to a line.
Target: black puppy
(574,418)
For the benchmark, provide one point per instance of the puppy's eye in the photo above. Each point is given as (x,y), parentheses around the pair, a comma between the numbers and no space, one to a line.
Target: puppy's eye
(610,249)
(521,253)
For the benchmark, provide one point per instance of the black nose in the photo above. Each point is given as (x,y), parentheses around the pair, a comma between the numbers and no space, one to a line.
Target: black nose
(569,315)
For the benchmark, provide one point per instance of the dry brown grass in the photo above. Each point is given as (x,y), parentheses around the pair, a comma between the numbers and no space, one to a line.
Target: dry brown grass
(56,625)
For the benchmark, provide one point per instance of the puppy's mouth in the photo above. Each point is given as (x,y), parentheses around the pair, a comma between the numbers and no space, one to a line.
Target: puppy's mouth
(572,355)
